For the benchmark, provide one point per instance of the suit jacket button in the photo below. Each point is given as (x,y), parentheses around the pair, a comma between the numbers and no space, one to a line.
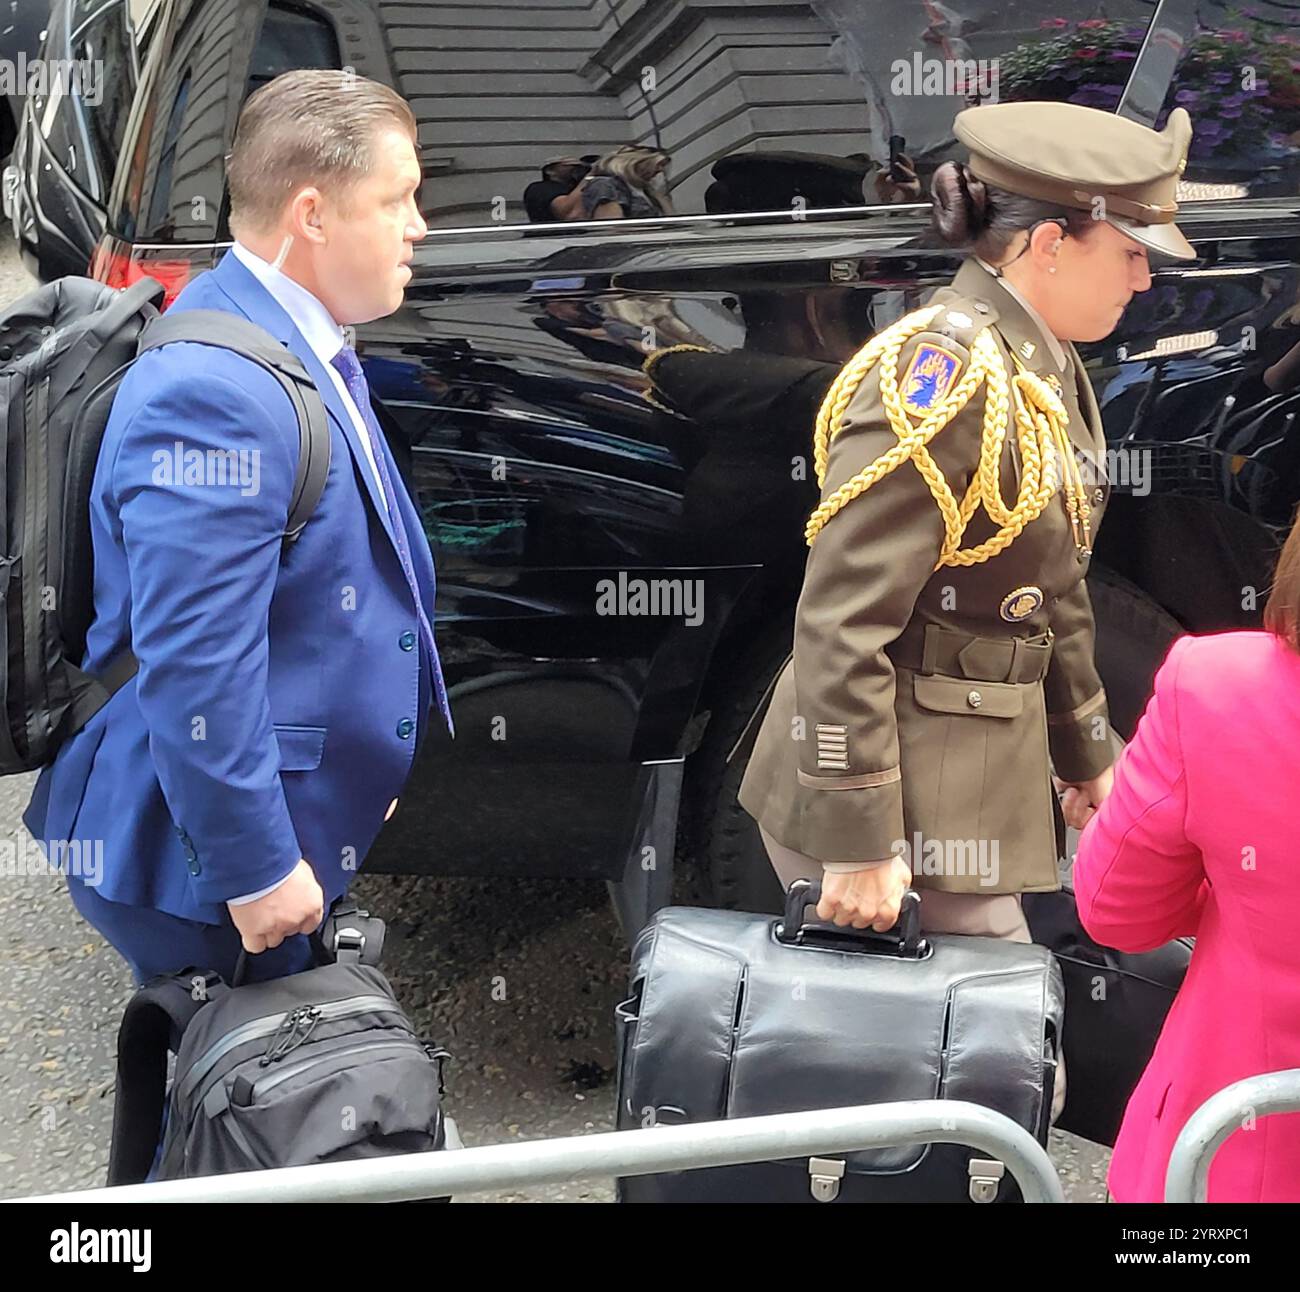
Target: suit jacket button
(404,728)
(407,640)
(974,699)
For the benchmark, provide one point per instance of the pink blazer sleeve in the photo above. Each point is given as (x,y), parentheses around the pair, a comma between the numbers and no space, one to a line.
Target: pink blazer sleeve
(1138,881)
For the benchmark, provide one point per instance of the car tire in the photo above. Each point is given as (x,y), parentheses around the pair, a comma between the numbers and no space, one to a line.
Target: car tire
(725,842)
(1133,636)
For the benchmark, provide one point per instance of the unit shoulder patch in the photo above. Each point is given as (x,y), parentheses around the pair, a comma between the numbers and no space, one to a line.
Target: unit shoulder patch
(931,374)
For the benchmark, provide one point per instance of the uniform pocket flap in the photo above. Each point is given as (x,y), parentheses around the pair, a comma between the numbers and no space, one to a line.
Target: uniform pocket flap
(300,747)
(962,695)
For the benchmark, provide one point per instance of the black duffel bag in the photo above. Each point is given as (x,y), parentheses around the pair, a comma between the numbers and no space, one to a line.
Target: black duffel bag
(740,1015)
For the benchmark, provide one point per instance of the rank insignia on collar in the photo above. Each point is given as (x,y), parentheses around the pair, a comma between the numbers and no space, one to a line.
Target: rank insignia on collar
(931,374)
(1027,349)
(1021,603)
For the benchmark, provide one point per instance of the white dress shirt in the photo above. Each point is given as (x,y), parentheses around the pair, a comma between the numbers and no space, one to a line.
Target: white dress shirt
(326,339)
(319,330)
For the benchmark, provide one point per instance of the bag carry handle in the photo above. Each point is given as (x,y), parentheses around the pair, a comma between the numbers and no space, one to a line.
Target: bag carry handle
(320,957)
(904,940)
(347,935)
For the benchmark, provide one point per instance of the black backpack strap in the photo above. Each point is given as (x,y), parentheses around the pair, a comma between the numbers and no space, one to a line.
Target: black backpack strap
(93,693)
(245,338)
(152,1025)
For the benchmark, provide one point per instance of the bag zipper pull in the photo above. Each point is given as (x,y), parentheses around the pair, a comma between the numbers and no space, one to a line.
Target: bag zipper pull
(283,1033)
(308,1017)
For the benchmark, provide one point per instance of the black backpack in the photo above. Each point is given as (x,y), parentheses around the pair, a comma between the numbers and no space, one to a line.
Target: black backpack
(64,350)
(318,1066)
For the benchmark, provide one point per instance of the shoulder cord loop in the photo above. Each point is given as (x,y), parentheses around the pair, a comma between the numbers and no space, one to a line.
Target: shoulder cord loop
(1041,422)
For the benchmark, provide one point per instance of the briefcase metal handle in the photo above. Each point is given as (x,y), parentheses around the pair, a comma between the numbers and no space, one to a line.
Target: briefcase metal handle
(903,941)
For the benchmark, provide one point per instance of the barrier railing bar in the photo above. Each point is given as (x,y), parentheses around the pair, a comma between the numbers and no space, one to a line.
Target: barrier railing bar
(616,1153)
(1187,1176)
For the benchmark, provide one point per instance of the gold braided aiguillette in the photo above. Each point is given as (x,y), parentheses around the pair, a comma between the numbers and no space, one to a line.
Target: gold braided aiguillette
(1040,419)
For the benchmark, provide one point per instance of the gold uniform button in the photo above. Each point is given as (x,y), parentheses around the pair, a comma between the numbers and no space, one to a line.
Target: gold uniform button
(1098,494)
(392,807)
(974,699)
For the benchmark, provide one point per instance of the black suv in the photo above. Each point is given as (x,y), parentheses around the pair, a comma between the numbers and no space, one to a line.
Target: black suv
(592,729)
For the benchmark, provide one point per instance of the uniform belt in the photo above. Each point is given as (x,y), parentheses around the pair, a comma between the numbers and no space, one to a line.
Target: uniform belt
(931,648)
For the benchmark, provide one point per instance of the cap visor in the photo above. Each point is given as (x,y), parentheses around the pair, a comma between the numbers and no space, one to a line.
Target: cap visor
(1164,239)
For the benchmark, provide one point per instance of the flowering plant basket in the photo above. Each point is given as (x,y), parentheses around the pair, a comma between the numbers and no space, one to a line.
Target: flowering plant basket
(1240,85)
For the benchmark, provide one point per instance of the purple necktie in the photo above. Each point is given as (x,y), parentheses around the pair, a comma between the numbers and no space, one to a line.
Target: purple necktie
(349,368)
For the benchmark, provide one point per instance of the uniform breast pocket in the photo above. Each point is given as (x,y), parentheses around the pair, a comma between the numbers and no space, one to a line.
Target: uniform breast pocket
(301,748)
(937,694)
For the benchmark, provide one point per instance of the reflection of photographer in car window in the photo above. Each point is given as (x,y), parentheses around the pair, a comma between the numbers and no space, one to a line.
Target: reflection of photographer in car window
(556,197)
(628,184)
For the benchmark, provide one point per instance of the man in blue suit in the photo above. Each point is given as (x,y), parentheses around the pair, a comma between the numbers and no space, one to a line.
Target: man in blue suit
(239,779)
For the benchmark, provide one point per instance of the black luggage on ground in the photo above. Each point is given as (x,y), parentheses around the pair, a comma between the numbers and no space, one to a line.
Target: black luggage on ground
(318,1066)
(733,1016)
(1115,1006)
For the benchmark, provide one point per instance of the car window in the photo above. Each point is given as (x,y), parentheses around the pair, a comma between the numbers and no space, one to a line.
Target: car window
(100,38)
(541,110)
(1238,76)
(290,39)
(173,190)
(83,104)
(747,107)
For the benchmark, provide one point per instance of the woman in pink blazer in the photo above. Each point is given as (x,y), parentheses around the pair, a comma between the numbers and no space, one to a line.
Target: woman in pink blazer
(1201,835)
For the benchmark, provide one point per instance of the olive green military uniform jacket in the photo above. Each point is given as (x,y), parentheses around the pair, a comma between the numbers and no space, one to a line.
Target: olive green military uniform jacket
(921,710)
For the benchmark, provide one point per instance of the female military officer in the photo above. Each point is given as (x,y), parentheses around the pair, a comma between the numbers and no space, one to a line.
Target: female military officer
(943,643)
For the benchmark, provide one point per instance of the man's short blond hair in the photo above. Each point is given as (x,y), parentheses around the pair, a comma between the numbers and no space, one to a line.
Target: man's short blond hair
(312,126)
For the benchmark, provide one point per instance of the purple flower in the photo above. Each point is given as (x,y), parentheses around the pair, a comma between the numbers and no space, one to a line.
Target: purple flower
(1232,100)
(1096,96)
(1230,114)
(1187,96)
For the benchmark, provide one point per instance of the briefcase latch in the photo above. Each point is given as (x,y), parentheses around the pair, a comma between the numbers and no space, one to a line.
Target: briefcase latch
(985,1174)
(825,1173)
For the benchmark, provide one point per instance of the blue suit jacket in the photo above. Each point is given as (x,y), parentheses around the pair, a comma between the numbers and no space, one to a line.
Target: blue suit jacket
(279,699)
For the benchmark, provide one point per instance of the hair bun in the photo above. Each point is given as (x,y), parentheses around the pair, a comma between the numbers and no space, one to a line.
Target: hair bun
(959,204)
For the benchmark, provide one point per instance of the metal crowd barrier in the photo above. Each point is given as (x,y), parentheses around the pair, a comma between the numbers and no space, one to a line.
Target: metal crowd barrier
(619,1153)
(1187,1177)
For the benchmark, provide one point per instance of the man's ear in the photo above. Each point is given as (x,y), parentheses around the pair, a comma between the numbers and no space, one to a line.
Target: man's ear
(305,212)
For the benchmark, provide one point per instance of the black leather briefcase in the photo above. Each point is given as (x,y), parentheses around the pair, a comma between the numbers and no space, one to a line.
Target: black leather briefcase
(739,1015)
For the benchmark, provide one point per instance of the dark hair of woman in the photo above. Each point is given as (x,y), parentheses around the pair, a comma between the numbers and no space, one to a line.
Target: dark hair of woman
(966,212)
